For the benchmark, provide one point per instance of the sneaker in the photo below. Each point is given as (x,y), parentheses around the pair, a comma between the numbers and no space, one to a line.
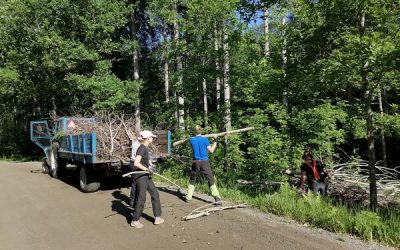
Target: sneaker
(158,221)
(136,224)
(217,200)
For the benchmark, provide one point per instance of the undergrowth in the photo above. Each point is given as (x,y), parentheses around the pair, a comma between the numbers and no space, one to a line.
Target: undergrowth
(383,227)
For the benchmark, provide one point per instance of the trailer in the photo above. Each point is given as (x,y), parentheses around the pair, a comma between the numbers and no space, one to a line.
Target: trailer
(62,148)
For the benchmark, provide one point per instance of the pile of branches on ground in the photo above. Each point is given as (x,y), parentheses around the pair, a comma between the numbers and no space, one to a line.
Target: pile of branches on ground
(349,182)
(114,133)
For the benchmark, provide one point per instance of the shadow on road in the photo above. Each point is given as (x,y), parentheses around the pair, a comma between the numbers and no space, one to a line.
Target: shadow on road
(71,177)
(174,192)
(121,206)
(182,196)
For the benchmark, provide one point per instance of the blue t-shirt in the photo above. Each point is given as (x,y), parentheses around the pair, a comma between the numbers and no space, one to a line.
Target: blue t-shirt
(199,147)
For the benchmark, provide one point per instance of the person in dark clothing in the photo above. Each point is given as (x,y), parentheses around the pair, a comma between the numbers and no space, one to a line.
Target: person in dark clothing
(314,173)
(201,146)
(145,183)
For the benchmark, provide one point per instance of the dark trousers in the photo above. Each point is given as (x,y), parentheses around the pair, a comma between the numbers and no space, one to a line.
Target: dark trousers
(319,187)
(133,195)
(202,166)
(144,183)
(133,192)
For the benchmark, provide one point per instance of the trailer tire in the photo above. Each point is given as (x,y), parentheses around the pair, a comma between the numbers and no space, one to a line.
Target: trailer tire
(45,166)
(89,180)
(57,166)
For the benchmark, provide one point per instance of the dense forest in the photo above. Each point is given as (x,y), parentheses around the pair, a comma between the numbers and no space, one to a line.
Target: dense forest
(318,74)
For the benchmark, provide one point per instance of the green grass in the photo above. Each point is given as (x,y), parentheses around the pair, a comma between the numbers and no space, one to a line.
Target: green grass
(382,227)
(18,158)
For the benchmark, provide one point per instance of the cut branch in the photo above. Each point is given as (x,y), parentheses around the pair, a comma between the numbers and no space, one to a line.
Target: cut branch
(196,213)
(215,135)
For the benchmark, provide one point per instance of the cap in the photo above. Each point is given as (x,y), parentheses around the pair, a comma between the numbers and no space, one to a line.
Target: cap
(147,134)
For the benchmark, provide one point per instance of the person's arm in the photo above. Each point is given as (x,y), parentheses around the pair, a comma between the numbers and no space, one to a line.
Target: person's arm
(139,165)
(303,179)
(321,168)
(211,148)
(303,176)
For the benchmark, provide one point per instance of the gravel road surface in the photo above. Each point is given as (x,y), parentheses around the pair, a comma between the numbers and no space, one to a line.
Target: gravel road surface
(39,212)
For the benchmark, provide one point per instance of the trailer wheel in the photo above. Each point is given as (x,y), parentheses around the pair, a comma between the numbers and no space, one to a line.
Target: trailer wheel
(45,166)
(89,181)
(57,166)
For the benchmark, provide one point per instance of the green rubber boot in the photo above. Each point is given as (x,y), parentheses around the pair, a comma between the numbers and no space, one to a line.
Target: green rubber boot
(215,194)
(190,192)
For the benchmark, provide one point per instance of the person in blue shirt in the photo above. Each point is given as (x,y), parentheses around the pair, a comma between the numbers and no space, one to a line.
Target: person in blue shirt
(201,147)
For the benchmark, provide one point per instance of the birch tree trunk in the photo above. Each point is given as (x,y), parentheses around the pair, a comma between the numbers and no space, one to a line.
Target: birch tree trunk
(284,61)
(181,100)
(227,89)
(36,107)
(166,65)
(384,156)
(135,58)
(266,31)
(53,107)
(176,102)
(217,65)
(370,125)
(136,78)
(205,100)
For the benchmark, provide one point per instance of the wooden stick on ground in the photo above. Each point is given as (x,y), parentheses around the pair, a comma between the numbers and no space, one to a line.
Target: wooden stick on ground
(208,211)
(163,177)
(215,135)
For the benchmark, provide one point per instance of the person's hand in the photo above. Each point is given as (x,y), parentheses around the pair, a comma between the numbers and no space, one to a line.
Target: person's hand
(215,138)
(301,192)
(151,169)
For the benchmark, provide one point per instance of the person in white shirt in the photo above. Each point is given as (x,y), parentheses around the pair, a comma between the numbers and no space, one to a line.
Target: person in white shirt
(144,182)
(135,146)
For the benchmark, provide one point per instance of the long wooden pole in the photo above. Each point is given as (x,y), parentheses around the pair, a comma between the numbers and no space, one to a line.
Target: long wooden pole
(163,177)
(215,135)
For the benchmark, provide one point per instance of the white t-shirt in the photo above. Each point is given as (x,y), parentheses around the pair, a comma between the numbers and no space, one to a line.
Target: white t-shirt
(135,146)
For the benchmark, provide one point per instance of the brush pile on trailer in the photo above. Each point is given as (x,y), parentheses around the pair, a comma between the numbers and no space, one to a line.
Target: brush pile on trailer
(114,134)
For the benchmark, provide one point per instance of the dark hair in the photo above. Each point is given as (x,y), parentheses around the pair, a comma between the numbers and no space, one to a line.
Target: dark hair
(307,153)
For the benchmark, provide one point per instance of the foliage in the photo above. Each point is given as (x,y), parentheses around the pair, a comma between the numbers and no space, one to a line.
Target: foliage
(329,64)
(320,128)
(316,211)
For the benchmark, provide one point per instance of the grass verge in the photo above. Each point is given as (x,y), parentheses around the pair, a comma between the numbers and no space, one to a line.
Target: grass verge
(18,158)
(382,227)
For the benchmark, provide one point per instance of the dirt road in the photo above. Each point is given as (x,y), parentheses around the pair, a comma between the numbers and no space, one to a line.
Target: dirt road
(39,212)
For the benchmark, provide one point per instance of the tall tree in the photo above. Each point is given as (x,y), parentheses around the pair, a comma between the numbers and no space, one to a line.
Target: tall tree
(382,131)
(284,59)
(166,63)
(135,60)
(179,67)
(205,96)
(226,69)
(266,30)
(217,45)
